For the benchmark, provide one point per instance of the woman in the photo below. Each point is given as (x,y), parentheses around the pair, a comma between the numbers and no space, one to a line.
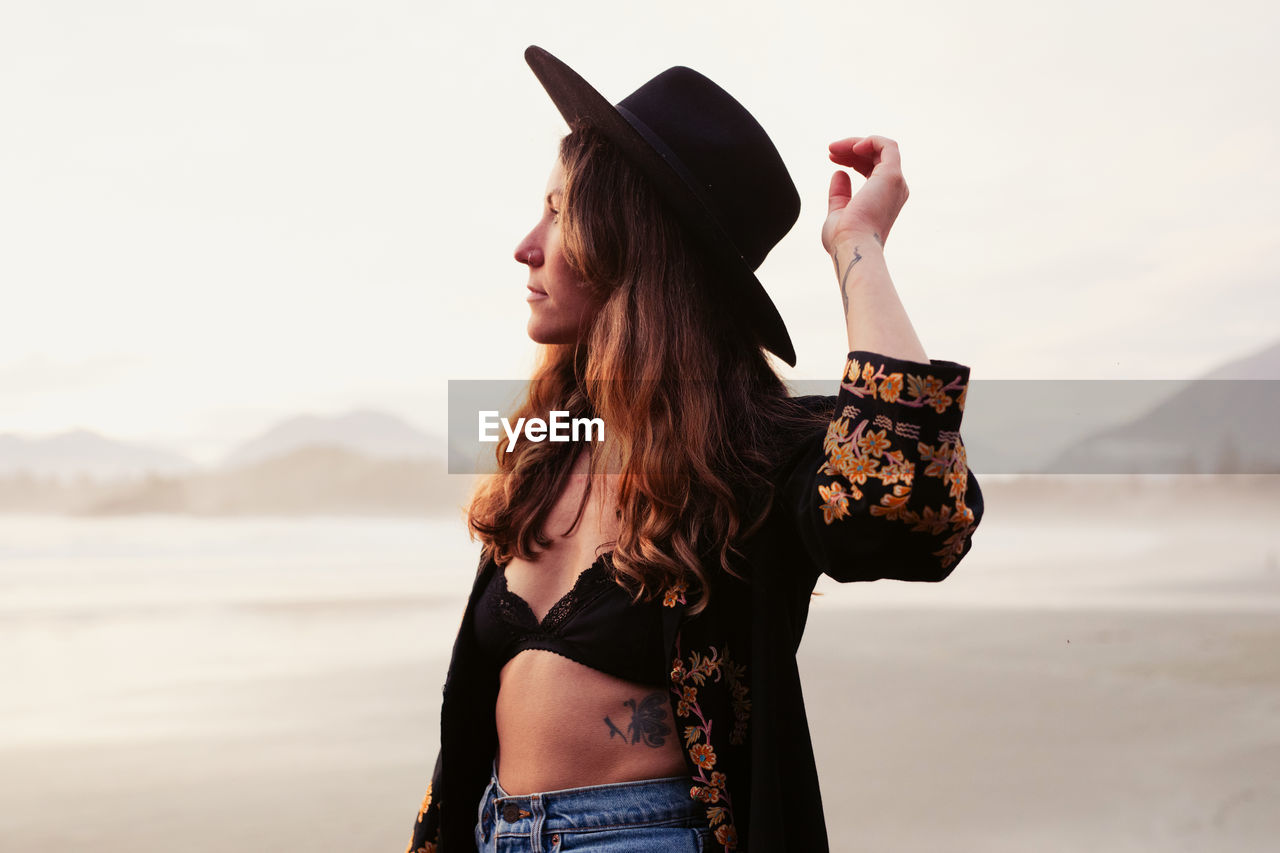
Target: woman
(624,677)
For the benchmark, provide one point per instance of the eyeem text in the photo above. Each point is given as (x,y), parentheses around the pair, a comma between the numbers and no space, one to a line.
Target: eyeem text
(560,427)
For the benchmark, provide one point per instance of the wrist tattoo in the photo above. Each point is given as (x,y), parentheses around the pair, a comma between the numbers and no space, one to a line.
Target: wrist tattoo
(844,294)
(647,724)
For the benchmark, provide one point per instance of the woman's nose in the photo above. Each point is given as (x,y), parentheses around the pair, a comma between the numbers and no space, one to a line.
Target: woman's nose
(530,255)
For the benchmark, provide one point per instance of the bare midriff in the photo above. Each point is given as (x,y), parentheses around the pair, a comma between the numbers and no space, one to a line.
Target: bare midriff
(565,725)
(562,724)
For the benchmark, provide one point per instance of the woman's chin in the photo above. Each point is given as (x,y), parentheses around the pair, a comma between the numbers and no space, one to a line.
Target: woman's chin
(542,336)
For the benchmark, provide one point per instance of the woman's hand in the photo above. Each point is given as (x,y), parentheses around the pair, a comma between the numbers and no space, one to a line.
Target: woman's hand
(874,209)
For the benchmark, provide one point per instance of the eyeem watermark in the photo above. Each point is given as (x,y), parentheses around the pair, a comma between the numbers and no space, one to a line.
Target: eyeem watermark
(1009,426)
(560,427)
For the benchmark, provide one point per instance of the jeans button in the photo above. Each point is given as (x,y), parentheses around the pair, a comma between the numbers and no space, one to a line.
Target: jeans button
(511,813)
(555,839)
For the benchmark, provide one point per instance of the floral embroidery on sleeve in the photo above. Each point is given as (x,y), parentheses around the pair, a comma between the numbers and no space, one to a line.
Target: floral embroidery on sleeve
(886,450)
(712,786)
(675,594)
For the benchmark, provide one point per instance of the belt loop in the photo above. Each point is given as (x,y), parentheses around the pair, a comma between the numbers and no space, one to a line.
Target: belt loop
(484,816)
(538,807)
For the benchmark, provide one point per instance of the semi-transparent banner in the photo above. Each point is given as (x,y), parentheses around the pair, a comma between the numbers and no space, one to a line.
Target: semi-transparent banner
(1010,426)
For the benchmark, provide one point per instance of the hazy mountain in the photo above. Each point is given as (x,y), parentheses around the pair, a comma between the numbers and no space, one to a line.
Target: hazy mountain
(1264,364)
(358,462)
(370,433)
(1224,422)
(310,480)
(81,453)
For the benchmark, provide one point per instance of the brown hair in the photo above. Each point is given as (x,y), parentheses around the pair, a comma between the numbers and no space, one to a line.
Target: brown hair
(694,414)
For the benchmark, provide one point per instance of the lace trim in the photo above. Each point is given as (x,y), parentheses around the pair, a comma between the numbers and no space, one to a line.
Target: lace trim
(591,583)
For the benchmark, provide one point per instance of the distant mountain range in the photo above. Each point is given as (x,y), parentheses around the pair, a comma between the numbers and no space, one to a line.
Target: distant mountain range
(372,462)
(317,479)
(84,454)
(1222,423)
(374,434)
(357,462)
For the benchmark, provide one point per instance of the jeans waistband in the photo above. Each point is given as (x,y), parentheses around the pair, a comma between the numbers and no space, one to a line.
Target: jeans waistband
(647,801)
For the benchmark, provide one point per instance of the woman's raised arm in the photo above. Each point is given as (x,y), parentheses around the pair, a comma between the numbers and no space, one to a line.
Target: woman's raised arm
(854,234)
(886,492)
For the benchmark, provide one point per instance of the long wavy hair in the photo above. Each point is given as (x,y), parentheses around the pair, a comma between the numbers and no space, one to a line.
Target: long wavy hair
(694,414)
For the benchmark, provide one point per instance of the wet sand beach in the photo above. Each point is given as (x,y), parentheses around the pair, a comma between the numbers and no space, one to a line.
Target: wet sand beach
(1100,674)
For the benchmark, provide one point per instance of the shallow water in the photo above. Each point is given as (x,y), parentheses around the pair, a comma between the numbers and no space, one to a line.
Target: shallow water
(109,627)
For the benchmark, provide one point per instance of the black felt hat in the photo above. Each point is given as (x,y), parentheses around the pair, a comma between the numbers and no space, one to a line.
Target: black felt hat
(713,164)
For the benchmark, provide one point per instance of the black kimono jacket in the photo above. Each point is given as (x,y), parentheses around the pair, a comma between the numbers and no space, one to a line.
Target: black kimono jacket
(884,492)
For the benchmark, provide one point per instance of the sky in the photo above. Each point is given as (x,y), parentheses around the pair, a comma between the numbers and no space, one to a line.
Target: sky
(218,215)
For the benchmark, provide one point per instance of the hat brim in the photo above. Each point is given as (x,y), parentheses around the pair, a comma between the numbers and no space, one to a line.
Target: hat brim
(582,106)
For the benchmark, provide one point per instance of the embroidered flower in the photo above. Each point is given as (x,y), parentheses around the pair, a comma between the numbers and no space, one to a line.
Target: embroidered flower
(688,698)
(860,469)
(891,388)
(873,443)
(675,594)
(703,755)
(837,435)
(896,468)
(677,671)
(728,836)
(835,502)
(838,459)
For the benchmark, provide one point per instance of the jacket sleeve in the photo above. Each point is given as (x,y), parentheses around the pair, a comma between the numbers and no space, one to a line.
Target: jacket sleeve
(887,492)
(425,835)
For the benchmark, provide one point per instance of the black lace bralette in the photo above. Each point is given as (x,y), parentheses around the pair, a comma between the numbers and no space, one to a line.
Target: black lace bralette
(595,623)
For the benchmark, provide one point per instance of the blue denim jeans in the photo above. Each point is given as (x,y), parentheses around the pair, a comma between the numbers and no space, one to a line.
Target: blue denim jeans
(625,817)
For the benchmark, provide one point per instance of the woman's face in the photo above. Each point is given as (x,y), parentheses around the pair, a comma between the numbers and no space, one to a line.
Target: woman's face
(560,303)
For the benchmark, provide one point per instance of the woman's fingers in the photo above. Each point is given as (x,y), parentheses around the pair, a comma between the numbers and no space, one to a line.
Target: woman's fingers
(842,154)
(844,144)
(864,153)
(875,207)
(839,192)
(885,150)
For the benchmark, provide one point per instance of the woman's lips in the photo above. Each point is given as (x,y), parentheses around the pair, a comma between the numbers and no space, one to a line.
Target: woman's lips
(535,295)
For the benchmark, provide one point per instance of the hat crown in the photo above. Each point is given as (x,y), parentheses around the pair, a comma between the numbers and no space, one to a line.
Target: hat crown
(721,153)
